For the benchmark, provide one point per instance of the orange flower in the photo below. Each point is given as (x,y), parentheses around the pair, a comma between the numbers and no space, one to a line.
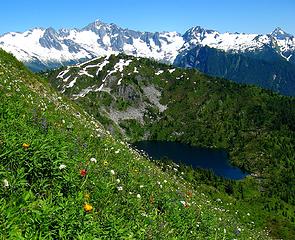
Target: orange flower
(26,146)
(83,172)
(87,207)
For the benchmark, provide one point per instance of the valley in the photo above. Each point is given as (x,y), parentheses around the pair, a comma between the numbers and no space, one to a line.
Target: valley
(113,133)
(68,177)
(254,125)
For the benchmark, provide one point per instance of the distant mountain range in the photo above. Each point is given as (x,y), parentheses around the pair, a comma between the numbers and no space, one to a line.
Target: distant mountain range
(266,60)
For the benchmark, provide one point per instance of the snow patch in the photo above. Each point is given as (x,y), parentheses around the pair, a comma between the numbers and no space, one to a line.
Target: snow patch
(84,72)
(62,73)
(159,72)
(119,66)
(66,79)
(72,83)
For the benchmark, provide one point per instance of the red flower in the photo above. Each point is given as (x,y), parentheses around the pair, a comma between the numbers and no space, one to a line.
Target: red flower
(83,172)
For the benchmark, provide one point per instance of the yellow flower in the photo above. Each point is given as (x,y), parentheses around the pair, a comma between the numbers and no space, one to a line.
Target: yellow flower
(26,146)
(87,196)
(87,207)
(105,163)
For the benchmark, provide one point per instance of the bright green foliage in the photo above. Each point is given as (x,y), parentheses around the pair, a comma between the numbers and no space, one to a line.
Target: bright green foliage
(255,126)
(47,143)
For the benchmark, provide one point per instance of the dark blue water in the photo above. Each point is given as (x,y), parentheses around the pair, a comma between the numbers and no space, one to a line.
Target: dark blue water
(216,160)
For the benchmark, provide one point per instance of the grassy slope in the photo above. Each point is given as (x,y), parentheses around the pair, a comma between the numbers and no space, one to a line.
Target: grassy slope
(44,202)
(255,126)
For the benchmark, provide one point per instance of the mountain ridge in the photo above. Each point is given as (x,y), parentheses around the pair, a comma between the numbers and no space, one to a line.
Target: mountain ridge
(196,33)
(42,49)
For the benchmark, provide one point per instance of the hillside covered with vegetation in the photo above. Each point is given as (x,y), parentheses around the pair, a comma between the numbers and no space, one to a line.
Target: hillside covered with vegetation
(64,177)
(142,99)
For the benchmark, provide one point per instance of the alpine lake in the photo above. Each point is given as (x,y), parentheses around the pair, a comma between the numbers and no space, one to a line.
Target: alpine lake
(205,158)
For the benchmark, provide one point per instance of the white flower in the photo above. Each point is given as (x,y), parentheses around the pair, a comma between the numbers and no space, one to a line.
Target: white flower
(112,172)
(138,196)
(144,214)
(117,151)
(165,181)
(62,166)
(141,186)
(183,203)
(63,121)
(93,160)
(5,183)
(118,180)
(120,188)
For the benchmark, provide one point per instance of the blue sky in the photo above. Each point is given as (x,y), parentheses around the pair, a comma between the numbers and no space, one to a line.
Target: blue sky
(249,16)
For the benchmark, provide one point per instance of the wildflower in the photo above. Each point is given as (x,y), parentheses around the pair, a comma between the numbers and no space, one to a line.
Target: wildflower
(105,163)
(117,151)
(93,160)
(83,172)
(5,183)
(185,204)
(87,207)
(144,214)
(26,146)
(87,196)
(62,166)
(112,172)
(141,186)
(118,180)
(138,196)
(120,188)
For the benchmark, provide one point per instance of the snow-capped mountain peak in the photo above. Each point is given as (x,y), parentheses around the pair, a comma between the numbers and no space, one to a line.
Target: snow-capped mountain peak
(49,46)
(280,34)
